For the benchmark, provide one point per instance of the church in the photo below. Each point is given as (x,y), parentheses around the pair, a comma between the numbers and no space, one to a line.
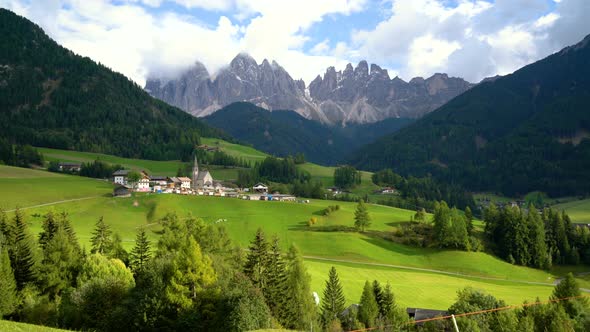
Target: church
(201,179)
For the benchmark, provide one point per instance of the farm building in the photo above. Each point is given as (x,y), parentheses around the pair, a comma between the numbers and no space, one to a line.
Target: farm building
(419,314)
(260,188)
(143,184)
(120,176)
(69,167)
(122,191)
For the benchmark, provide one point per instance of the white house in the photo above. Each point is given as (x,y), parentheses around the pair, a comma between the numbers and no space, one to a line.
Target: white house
(185,183)
(158,183)
(120,176)
(143,184)
(260,188)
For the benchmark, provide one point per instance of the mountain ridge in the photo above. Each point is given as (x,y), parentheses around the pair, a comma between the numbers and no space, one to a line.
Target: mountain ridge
(369,94)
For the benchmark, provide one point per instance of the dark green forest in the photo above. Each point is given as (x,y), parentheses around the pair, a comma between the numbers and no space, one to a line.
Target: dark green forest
(284,133)
(522,132)
(51,97)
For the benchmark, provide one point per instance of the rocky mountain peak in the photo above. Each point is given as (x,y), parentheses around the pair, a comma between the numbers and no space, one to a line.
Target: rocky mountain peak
(361,70)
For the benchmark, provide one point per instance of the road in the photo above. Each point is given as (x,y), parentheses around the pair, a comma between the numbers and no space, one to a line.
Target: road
(54,203)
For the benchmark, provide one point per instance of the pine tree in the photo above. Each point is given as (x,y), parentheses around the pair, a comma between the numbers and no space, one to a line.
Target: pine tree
(276,287)
(301,314)
(117,251)
(140,254)
(50,225)
(378,291)
(23,256)
(368,309)
(6,229)
(469,220)
(62,260)
(101,238)
(8,299)
(568,288)
(257,261)
(388,306)
(362,219)
(538,246)
(333,300)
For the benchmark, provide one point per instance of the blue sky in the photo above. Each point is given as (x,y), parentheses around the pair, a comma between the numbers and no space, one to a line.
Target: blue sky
(472,39)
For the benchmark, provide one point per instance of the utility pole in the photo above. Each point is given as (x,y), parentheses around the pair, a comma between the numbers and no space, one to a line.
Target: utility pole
(455,323)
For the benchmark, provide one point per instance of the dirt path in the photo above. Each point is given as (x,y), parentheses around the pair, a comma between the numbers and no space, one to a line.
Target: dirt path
(53,203)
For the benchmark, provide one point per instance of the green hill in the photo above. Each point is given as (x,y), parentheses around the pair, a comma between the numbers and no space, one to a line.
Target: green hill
(519,133)
(283,133)
(51,97)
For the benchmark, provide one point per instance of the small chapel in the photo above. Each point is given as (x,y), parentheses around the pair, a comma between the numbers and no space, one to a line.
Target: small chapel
(201,179)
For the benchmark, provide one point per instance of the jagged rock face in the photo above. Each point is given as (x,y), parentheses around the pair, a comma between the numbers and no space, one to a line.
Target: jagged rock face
(359,95)
(267,85)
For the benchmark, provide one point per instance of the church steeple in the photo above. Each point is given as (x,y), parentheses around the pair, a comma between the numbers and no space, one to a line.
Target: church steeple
(195,172)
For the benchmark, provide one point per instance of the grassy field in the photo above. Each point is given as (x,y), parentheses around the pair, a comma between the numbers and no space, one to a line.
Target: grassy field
(20,187)
(8,326)
(578,210)
(236,150)
(288,221)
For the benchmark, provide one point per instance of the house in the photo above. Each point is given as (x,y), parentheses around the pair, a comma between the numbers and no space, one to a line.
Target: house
(120,176)
(388,190)
(174,183)
(260,188)
(69,167)
(158,183)
(143,184)
(122,191)
(420,314)
(185,183)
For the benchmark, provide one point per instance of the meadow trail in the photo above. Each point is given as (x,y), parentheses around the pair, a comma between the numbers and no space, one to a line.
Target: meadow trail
(404,267)
(54,203)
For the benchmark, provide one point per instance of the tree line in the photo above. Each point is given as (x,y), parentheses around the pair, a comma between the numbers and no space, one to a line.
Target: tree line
(536,238)
(19,155)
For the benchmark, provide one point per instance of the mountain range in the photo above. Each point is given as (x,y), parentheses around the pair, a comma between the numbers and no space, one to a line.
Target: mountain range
(526,131)
(355,95)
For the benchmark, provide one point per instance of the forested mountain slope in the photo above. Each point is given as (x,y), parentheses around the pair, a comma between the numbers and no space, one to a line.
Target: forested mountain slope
(285,133)
(521,132)
(51,97)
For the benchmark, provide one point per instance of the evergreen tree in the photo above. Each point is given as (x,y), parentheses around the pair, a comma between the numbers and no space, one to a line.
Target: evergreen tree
(368,308)
(117,251)
(469,220)
(192,273)
(8,299)
(61,262)
(390,312)
(140,254)
(257,260)
(276,288)
(23,258)
(333,300)
(301,314)
(378,291)
(101,238)
(538,246)
(362,219)
(420,215)
(569,288)
(49,226)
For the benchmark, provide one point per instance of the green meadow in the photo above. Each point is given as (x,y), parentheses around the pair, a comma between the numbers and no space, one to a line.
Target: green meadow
(288,220)
(20,187)
(578,210)
(8,326)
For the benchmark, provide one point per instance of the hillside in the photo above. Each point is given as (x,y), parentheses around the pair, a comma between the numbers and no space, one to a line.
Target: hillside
(51,97)
(283,133)
(521,132)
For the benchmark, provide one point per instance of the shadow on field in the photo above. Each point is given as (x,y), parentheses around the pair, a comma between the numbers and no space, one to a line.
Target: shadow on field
(392,246)
(304,227)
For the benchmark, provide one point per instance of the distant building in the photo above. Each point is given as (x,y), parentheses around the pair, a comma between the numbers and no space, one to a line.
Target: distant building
(201,179)
(69,167)
(120,176)
(185,183)
(260,188)
(122,191)
(420,314)
(144,182)
(158,183)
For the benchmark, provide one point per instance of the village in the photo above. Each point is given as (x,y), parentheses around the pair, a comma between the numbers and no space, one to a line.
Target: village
(201,183)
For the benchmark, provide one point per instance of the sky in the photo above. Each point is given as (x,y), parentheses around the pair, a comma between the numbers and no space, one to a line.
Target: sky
(472,39)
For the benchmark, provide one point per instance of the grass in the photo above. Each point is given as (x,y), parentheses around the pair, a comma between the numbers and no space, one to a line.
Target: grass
(20,187)
(288,221)
(248,153)
(579,210)
(154,167)
(8,326)
(419,289)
